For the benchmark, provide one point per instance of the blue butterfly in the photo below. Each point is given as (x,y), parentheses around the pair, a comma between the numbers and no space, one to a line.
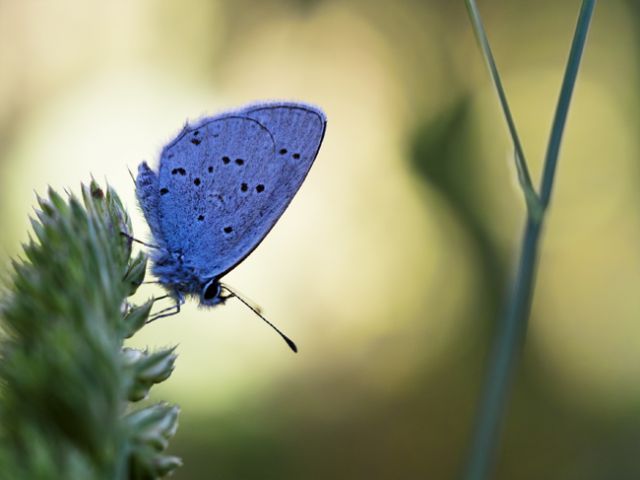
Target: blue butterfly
(221,185)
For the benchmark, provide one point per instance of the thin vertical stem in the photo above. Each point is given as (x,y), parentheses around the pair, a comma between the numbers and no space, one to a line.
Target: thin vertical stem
(521,164)
(507,349)
(562,109)
(512,330)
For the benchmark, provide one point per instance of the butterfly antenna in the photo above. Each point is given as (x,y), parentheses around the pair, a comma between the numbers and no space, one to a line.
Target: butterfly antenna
(257,311)
(236,293)
(131,175)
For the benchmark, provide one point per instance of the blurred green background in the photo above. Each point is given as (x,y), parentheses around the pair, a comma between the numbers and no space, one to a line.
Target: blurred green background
(390,266)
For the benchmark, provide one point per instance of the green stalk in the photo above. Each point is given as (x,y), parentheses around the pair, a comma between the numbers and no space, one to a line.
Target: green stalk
(530,195)
(562,109)
(512,330)
(68,386)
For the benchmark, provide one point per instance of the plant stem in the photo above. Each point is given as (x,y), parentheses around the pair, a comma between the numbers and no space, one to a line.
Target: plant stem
(509,342)
(524,177)
(512,331)
(68,386)
(562,109)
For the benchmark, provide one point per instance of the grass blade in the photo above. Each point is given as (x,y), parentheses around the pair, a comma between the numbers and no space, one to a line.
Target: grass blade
(562,109)
(524,178)
(512,330)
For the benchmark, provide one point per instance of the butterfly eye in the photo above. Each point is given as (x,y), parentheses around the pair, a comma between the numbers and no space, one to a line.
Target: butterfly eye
(211,290)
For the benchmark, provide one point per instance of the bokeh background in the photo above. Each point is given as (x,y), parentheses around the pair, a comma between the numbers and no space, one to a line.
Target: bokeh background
(390,266)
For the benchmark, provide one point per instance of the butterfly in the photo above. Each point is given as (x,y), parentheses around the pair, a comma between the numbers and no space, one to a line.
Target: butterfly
(221,185)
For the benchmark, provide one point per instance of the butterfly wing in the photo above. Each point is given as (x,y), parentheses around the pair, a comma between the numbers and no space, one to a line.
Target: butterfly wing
(224,182)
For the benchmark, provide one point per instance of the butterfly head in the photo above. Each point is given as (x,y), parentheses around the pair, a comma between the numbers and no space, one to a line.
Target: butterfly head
(211,293)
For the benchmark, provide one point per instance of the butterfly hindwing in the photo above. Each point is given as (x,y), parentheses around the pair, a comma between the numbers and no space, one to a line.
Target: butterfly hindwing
(224,182)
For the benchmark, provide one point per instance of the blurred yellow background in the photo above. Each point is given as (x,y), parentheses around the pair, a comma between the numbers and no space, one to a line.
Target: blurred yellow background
(390,266)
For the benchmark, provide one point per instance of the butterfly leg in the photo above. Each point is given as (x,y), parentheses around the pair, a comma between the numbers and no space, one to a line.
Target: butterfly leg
(148,245)
(169,311)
